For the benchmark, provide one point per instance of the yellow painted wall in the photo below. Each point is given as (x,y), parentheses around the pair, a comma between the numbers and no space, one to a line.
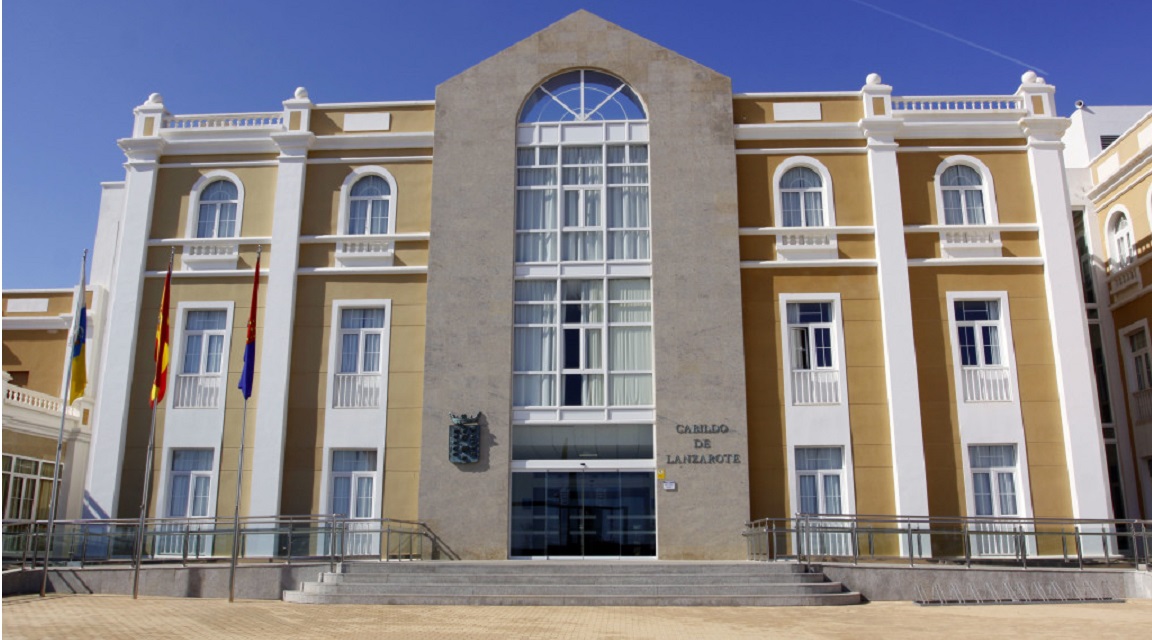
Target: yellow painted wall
(412,201)
(849,173)
(405,118)
(174,193)
(765,367)
(1010,176)
(303,457)
(832,108)
(1036,376)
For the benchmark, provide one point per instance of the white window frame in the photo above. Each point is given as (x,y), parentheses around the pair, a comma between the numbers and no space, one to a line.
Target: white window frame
(354,476)
(33,483)
(335,350)
(993,479)
(969,240)
(1121,247)
(836,332)
(176,363)
(212,253)
(820,474)
(366,249)
(210,474)
(1001,377)
(346,197)
(1140,399)
(804,242)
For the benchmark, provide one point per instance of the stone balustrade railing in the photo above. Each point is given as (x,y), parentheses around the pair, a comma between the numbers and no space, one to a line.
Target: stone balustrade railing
(21,397)
(224,121)
(1123,277)
(939,104)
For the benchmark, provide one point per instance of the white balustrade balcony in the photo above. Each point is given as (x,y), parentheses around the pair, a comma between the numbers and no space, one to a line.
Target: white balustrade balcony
(986,384)
(816,386)
(207,254)
(365,251)
(225,121)
(970,241)
(36,401)
(806,243)
(356,391)
(957,104)
(197,391)
(1123,276)
(1142,406)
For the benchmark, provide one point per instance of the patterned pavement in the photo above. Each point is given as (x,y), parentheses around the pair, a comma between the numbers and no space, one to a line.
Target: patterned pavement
(115,617)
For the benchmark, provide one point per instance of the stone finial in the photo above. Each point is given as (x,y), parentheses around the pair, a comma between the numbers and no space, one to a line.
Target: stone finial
(155,98)
(873,78)
(301,93)
(1029,77)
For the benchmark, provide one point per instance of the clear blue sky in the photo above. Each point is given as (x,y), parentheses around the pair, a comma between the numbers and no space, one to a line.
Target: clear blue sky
(73,71)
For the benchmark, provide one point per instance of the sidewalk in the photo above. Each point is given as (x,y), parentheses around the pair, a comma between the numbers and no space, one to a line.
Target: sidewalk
(99,616)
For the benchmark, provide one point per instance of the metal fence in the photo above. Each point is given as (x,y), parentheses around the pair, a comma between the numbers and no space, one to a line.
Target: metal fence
(192,540)
(999,541)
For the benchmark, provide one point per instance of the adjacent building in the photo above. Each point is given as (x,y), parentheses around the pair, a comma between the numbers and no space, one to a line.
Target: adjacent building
(669,308)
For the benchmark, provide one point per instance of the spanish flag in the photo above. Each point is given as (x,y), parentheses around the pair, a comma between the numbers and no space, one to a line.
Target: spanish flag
(79,337)
(162,354)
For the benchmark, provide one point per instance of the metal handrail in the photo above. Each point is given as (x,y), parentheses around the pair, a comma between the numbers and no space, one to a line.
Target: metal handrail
(1024,542)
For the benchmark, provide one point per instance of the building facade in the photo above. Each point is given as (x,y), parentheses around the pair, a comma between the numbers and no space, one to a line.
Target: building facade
(669,308)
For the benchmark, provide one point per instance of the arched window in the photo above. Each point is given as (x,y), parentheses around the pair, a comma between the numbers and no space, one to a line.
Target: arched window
(369,206)
(1120,241)
(217,216)
(963,193)
(582,96)
(802,198)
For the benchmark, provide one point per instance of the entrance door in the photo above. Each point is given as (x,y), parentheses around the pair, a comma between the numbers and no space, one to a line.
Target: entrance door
(583,514)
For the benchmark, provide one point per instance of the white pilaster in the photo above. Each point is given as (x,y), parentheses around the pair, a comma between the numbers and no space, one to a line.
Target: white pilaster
(125,281)
(908,471)
(280,301)
(1083,442)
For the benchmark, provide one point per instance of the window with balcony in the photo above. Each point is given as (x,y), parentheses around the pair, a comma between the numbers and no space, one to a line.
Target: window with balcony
(804,205)
(993,480)
(189,483)
(200,380)
(215,213)
(353,483)
(966,205)
(985,372)
(367,218)
(359,378)
(819,477)
(812,353)
(1120,240)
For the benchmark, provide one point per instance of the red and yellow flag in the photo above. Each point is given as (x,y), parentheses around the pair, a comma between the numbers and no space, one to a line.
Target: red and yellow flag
(160,382)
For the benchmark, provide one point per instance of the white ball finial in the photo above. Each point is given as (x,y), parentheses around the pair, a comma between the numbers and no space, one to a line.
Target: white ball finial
(155,98)
(1029,77)
(873,78)
(301,93)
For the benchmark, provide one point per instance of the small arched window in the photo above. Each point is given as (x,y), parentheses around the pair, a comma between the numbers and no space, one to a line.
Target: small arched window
(369,205)
(217,214)
(962,190)
(1120,238)
(802,198)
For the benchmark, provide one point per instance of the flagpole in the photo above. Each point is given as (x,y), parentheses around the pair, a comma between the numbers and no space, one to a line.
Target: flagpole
(246,389)
(63,418)
(151,446)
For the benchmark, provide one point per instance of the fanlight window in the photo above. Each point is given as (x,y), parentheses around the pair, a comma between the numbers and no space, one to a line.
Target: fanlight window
(802,198)
(368,205)
(218,204)
(582,96)
(963,193)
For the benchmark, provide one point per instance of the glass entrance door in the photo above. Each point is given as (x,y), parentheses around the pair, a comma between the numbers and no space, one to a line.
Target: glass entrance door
(583,513)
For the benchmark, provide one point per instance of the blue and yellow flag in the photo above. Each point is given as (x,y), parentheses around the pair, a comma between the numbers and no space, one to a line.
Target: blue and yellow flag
(79,337)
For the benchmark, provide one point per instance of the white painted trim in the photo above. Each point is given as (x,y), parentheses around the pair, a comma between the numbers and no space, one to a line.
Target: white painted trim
(345,190)
(976,262)
(795,94)
(215,273)
(373,159)
(210,165)
(961,149)
(828,194)
(371,105)
(1110,237)
(38,323)
(762,151)
(6,292)
(806,264)
(321,271)
(356,429)
(817,425)
(194,428)
(176,242)
(799,131)
(417,140)
(337,237)
(774,231)
(936,228)
(194,200)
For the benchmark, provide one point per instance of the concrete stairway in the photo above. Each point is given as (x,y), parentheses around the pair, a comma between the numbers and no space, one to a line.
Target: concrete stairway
(623,583)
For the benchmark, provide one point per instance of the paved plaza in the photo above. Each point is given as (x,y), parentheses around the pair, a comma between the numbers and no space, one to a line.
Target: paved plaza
(101,616)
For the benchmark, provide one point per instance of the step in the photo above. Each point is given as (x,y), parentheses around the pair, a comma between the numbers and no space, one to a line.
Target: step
(485,589)
(446,578)
(700,600)
(521,567)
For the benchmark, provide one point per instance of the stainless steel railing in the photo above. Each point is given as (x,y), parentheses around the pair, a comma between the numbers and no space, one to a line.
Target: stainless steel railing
(958,540)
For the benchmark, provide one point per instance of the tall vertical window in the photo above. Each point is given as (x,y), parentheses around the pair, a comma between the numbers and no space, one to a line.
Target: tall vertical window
(1141,362)
(978,332)
(993,479)
(812,353)
(201,376)
(583,332)
(353,483)
(1120,239)
(802,198)
(819,473)
(357,383)
(369,203)
(217,216)
(189,483)
(27,487)
(962,190)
